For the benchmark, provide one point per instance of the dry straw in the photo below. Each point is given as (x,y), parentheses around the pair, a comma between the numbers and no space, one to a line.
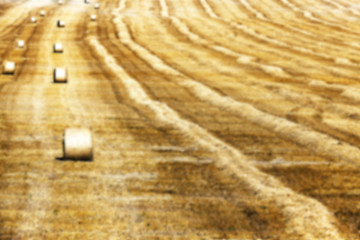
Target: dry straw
(93,17)
(314,141)
(33,20)
(20,43)
(300,212)
(60,75)
(58,48)
(61,23)
(78,144)
(8,67)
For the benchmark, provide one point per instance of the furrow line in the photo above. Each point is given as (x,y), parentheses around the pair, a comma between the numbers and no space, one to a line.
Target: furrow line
(257,35)
(326,109)
(306,38)
(325,36)
(258,14)
(319,143)
(351,93)
(308,15)
(340,6)
(292,205)
(241,58)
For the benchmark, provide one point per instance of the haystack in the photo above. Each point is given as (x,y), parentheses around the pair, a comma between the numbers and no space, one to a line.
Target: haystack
(61,23)
(93,17)
(33,20)
(60,75)
(20,43)
(77,144)
(8,67)
(58,48)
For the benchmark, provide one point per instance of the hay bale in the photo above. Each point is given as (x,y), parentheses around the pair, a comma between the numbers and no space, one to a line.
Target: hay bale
(20,43)
(42,13)
(60,2)
(60,75)
(61,23)
(93,17)
(87,1)
(58,48)
(33,20)
(97,6)
(77,144)
(8,68)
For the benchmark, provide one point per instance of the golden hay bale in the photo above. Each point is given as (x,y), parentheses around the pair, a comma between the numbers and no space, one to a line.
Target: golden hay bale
(60,2)
(42,13)
(33,20)
(77,144)
(20,43)
(60,75)
(8,67)
(58,48)
(97,6)
(93,17)
(61,23)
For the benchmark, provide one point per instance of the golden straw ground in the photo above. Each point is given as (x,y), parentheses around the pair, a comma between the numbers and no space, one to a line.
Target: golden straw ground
(204,119)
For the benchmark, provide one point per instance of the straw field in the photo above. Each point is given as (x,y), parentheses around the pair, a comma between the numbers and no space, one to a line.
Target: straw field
(209,119)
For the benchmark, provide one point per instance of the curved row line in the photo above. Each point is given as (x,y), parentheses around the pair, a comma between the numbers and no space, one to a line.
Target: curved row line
(325,146)
(287,48)
(291,18)
(248,58)
(293,35)
(335,71)
(281,46)
(341,6)
(244,59)
(335,13)
(241,58)
(309,15)
(280,88)
(297,34)
(252,32)
(227,156)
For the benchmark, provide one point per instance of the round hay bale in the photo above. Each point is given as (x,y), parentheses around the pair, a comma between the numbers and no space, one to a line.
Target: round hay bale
(8,68)
(93,17)
(97,6)
(60,2)
(42,13)
(58,48)
(87,1)
(33,20)
(61,23)
(60,75)
(20,43)
(77,144)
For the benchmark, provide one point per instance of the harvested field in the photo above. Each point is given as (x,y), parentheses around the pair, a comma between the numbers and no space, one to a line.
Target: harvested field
(205,119)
